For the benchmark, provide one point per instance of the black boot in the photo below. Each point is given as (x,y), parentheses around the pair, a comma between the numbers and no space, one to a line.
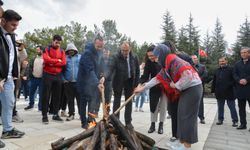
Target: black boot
(152,128)
(160,129)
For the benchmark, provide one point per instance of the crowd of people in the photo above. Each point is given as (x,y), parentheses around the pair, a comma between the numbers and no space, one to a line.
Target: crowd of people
(174,79)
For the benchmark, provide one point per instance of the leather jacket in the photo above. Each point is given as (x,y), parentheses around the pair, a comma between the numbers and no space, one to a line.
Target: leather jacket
(4,57)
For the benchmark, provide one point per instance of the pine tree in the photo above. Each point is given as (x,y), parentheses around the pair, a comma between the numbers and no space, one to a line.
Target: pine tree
(169,32)
(243,39)
(207,44)
(182,40)
(244,34)
(193,37)
(218,42)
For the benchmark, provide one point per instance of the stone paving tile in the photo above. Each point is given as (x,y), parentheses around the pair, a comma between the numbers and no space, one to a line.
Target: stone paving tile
(39,136)
(227,137)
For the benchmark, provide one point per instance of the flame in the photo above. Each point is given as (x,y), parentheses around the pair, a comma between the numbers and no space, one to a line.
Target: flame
(91,124)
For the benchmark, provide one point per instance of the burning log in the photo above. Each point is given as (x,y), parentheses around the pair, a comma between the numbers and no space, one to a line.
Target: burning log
(109,133)
(94,138)
(113,142)
(103,136)
(123,132)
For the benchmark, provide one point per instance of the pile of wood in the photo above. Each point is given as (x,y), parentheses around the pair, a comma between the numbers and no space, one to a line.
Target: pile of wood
(106,135)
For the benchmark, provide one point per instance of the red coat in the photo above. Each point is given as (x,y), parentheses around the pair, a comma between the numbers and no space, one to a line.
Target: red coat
(54,60)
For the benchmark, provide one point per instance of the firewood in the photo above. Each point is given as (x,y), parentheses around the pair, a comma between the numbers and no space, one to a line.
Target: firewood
(95,137)
(123,132)
(103,135)
(80,145)
(60,144)
(146,146)
(145,138)
(136,140)
(113,142)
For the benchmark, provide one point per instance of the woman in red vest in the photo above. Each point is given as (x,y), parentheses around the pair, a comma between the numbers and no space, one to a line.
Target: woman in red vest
(181,82)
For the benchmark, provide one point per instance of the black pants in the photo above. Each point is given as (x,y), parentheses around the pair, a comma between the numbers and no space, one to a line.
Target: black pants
(108,91)
(201,106)
(242,110)
(128,91)
(64,100)
(71,93)
(84,101)
(172,108)
(52,86)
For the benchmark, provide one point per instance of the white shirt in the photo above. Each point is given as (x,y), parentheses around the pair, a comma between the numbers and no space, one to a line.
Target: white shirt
(12,52)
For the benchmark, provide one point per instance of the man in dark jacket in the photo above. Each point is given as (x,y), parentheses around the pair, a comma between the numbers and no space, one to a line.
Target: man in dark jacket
(8,71)
(223,87)
(125,67)
(202,71)
(88,79)
(242,79)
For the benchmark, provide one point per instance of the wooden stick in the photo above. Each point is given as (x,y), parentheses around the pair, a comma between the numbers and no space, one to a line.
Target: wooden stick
(124,104)
(103,105)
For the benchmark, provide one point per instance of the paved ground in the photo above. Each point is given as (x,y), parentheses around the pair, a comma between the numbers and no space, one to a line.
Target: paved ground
(211,137)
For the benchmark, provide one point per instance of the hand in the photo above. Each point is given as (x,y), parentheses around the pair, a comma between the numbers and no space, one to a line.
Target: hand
(139,89)
(172,85)
(2,85)
(102,80)
(59,60)
(24,77)
(243,81)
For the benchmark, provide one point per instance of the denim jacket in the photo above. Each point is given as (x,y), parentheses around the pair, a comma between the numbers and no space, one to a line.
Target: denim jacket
(71,69)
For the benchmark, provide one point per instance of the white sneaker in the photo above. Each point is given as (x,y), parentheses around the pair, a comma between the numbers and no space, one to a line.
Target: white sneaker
(141,110)
(63,113)
(17,119)
(136,109)
(173,143)
(181,147)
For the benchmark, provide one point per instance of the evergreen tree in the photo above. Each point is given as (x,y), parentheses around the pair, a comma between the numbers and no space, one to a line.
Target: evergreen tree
(243,39)
(218,42)
(76,34)
(111,36)
(169,32)
(193,37)
(207,43)
(182,42)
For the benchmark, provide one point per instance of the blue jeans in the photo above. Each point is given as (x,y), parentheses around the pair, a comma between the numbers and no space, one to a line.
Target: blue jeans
(7,100)
(34,84)
(142,96)
(231,106)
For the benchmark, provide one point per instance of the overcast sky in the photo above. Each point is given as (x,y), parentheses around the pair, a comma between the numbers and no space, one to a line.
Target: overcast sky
(139,19)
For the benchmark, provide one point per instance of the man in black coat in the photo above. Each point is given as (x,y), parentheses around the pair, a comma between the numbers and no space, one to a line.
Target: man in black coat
(125,67)
(223,87)
(202,71)
(242,79)
(88,79)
